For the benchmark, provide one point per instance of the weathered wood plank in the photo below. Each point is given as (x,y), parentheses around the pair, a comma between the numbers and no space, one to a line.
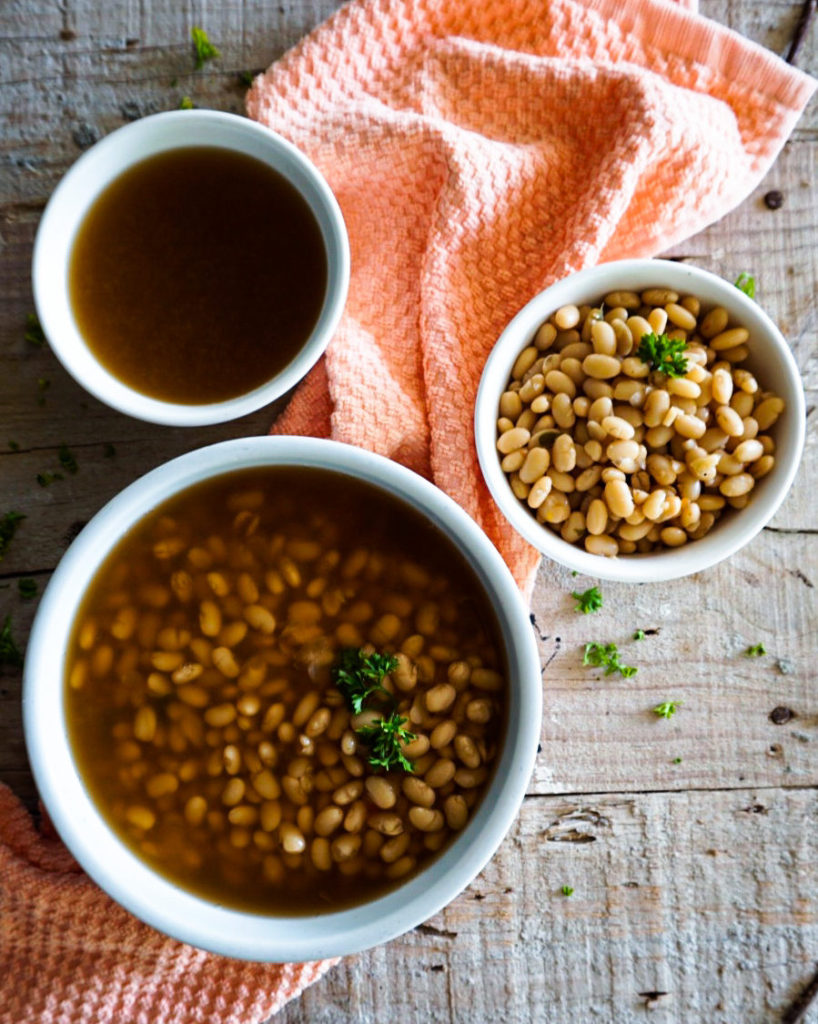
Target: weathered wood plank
(708,897)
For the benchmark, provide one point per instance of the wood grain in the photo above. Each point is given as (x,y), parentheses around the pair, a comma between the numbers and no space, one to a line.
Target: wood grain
(690,843)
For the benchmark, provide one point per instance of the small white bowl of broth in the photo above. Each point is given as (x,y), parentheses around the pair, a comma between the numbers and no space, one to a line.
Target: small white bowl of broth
(282,699)
(190,268)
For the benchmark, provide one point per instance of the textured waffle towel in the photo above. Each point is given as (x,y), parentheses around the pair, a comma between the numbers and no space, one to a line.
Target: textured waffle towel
(480,149)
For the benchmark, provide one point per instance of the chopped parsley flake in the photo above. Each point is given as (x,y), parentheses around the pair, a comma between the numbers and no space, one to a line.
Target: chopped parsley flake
(8,527)
(667,709)
(108,451)
(9,651)
(756,651)
(34,333)
(67,460)
(27,588)
(746,283)
(606,656)
(588,601)
(639,634)
(203,49)
(566,890)
(186,103)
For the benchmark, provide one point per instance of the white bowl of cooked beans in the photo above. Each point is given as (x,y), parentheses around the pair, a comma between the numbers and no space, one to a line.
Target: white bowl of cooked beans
(282,699)
(640,420)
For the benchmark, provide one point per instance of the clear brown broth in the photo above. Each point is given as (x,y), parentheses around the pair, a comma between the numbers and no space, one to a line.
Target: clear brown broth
(409,564)
(197,275)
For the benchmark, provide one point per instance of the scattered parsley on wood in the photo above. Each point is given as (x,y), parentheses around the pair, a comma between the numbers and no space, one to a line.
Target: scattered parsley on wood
(246,78)
(663,354)
(67,460)
(384,738)
(566,890)
(746,283)
(677,760)
(9,651)
(8,527)
(639,634)
(14,446)
(108,452)
(667,709)
(606,656)
(203,49)
(43,384)
(27,588)
(588,601)
(186,103)
(34,333)
(756,651)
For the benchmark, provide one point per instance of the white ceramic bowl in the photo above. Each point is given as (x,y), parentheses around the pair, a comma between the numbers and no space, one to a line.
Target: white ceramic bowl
(107,160)
(770,359)
(132,882)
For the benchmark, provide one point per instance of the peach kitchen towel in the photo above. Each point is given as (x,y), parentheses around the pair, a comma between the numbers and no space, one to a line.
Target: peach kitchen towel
(482,149)
(479,150)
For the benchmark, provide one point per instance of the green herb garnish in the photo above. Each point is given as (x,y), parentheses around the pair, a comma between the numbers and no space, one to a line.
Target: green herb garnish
(360,675)
(246,78)
(8,527)
(606,656)
(677,760)
(746,283)
(34,333)
(46,479)
(588,601)
(27,588)
(186,103)
(663,354)
(203,49)
(756,651)
(14,446)
(667,709)
(9,651)
(384,738)
(67,460)
(43,384)
(566,890)
(639,634)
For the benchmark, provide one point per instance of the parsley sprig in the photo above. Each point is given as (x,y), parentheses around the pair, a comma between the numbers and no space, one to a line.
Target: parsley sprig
(8,527)
(203,49)
(9,651)
(667,709)
(359,678)
(588,601)
(384,739)
(663,354)
(606,656)
(746,283)
(756,651)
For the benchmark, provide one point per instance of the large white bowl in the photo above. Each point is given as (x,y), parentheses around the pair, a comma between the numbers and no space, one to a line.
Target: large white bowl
(155,899)
(107,160)
(770,359)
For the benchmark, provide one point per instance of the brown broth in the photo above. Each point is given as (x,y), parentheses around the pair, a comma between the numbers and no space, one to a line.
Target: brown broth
(304,537)
(197,275)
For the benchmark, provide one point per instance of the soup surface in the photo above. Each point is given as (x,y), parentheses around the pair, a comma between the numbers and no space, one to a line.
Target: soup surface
(197,275)
(208,715)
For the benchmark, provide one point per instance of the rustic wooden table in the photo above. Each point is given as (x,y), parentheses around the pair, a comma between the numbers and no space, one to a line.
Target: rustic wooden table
(691,844)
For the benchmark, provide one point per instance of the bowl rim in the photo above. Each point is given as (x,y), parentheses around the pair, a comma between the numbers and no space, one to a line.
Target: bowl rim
(97,168)
(586,286)
(157,901)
